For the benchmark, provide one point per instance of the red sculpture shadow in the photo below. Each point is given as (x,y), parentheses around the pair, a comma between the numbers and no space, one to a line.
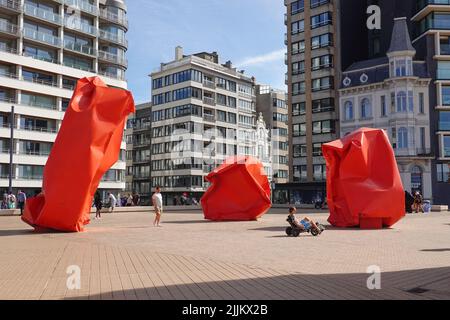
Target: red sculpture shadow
(364,187)
(239,191)
(87,145)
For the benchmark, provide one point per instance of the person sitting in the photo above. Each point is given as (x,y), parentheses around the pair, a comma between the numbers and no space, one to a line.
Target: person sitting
(305,224)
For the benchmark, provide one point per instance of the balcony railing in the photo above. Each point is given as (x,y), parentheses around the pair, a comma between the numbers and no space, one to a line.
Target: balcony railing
(107,15)
(41,37)
(112,75)
(105,35)
(209,84)
(76,24)
(38,129)
(78,47)
(30,177)
(41,57)
(42,14)
(83,6)
(34,153)
(40,81)
(111,57)
(209,101)
(10,4)
(423,3)
(9,27)
(209,117)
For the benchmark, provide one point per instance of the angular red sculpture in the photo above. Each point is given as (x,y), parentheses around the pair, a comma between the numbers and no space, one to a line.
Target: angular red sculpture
(364,187)
(239,191)
(87,145)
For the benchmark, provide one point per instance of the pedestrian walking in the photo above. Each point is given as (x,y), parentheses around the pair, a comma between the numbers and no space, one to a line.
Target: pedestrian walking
(112,201)
(129,200)
(418,202)
(136,199)
(22,198)
(98,205)
(158,205)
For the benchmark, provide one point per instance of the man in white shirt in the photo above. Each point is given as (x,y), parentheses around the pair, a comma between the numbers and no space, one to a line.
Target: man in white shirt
(158,204)
(112,201)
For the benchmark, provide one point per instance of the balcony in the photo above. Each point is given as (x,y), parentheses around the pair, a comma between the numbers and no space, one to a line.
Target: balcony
(42,14)
(9,28)
(209,84)
(38,129)
(5,48)
(80,48)
(209,101)
(41,37)
(423,3)
(112,17)
(114,58)
(84,6)
(111,37)
(77,25)
(112,75)
(209,118)
(13,5)
(423,152)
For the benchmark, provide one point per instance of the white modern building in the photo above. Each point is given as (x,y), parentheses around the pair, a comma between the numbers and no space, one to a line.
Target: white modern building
(392,93)
(45,47)
(202,113)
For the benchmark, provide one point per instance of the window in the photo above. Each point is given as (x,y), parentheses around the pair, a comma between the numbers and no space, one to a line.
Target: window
(299,129)
(348,109)
(278,103)
(421,103)
(383,106)
(246,105)
(298,26)
(37,100)
(317,149)
(324,83)
(443,72)
(39,53)
(446,95)
(401,101)
(298,47)
(298,67)
(297,6)
(221,99)
(280,117)
(323,105)
(320,20)
(299,109)
(446,146)
(300,151)
(322,62)
(322,127)
(298,88)
(443,172)
(321,41)
(221,116)
(366,109)
(400,68)
(444,121)
(300,173)
(317,3)
(320,172)
(411,101)
(402,141)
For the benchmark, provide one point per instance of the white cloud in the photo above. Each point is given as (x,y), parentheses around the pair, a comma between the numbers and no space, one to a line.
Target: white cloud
(261,59)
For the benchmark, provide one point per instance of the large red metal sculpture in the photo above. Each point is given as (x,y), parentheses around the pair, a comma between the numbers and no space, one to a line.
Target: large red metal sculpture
(239,191)
(87,145)
(364,187)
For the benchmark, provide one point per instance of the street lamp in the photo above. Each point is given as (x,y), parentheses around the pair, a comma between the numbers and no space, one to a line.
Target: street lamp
(11,145)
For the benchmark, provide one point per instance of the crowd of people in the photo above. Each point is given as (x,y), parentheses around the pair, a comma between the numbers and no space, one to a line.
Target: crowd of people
(11,201)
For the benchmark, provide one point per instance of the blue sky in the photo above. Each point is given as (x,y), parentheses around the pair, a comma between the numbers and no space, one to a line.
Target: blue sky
(250,33)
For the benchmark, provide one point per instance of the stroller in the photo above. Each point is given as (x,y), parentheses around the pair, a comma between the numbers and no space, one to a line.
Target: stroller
(295,231)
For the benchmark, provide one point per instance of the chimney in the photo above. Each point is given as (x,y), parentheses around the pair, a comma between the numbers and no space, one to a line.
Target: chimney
(178,53)
(229,65)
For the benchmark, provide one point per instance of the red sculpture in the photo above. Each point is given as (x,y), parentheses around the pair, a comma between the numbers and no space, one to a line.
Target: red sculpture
(87,145)
(239,191)
(363,182)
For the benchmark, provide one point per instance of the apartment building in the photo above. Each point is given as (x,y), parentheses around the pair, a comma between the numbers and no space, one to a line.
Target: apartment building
(431,38)
(202,113)
(138,136)
(313,62)
(45,47)
(392,93)
(271,105)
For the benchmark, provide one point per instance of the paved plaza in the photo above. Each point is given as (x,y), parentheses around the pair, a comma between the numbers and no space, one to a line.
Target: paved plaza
(123,256)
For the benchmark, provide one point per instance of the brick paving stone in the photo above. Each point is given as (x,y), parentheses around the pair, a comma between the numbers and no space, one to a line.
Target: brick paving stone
(124,257)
